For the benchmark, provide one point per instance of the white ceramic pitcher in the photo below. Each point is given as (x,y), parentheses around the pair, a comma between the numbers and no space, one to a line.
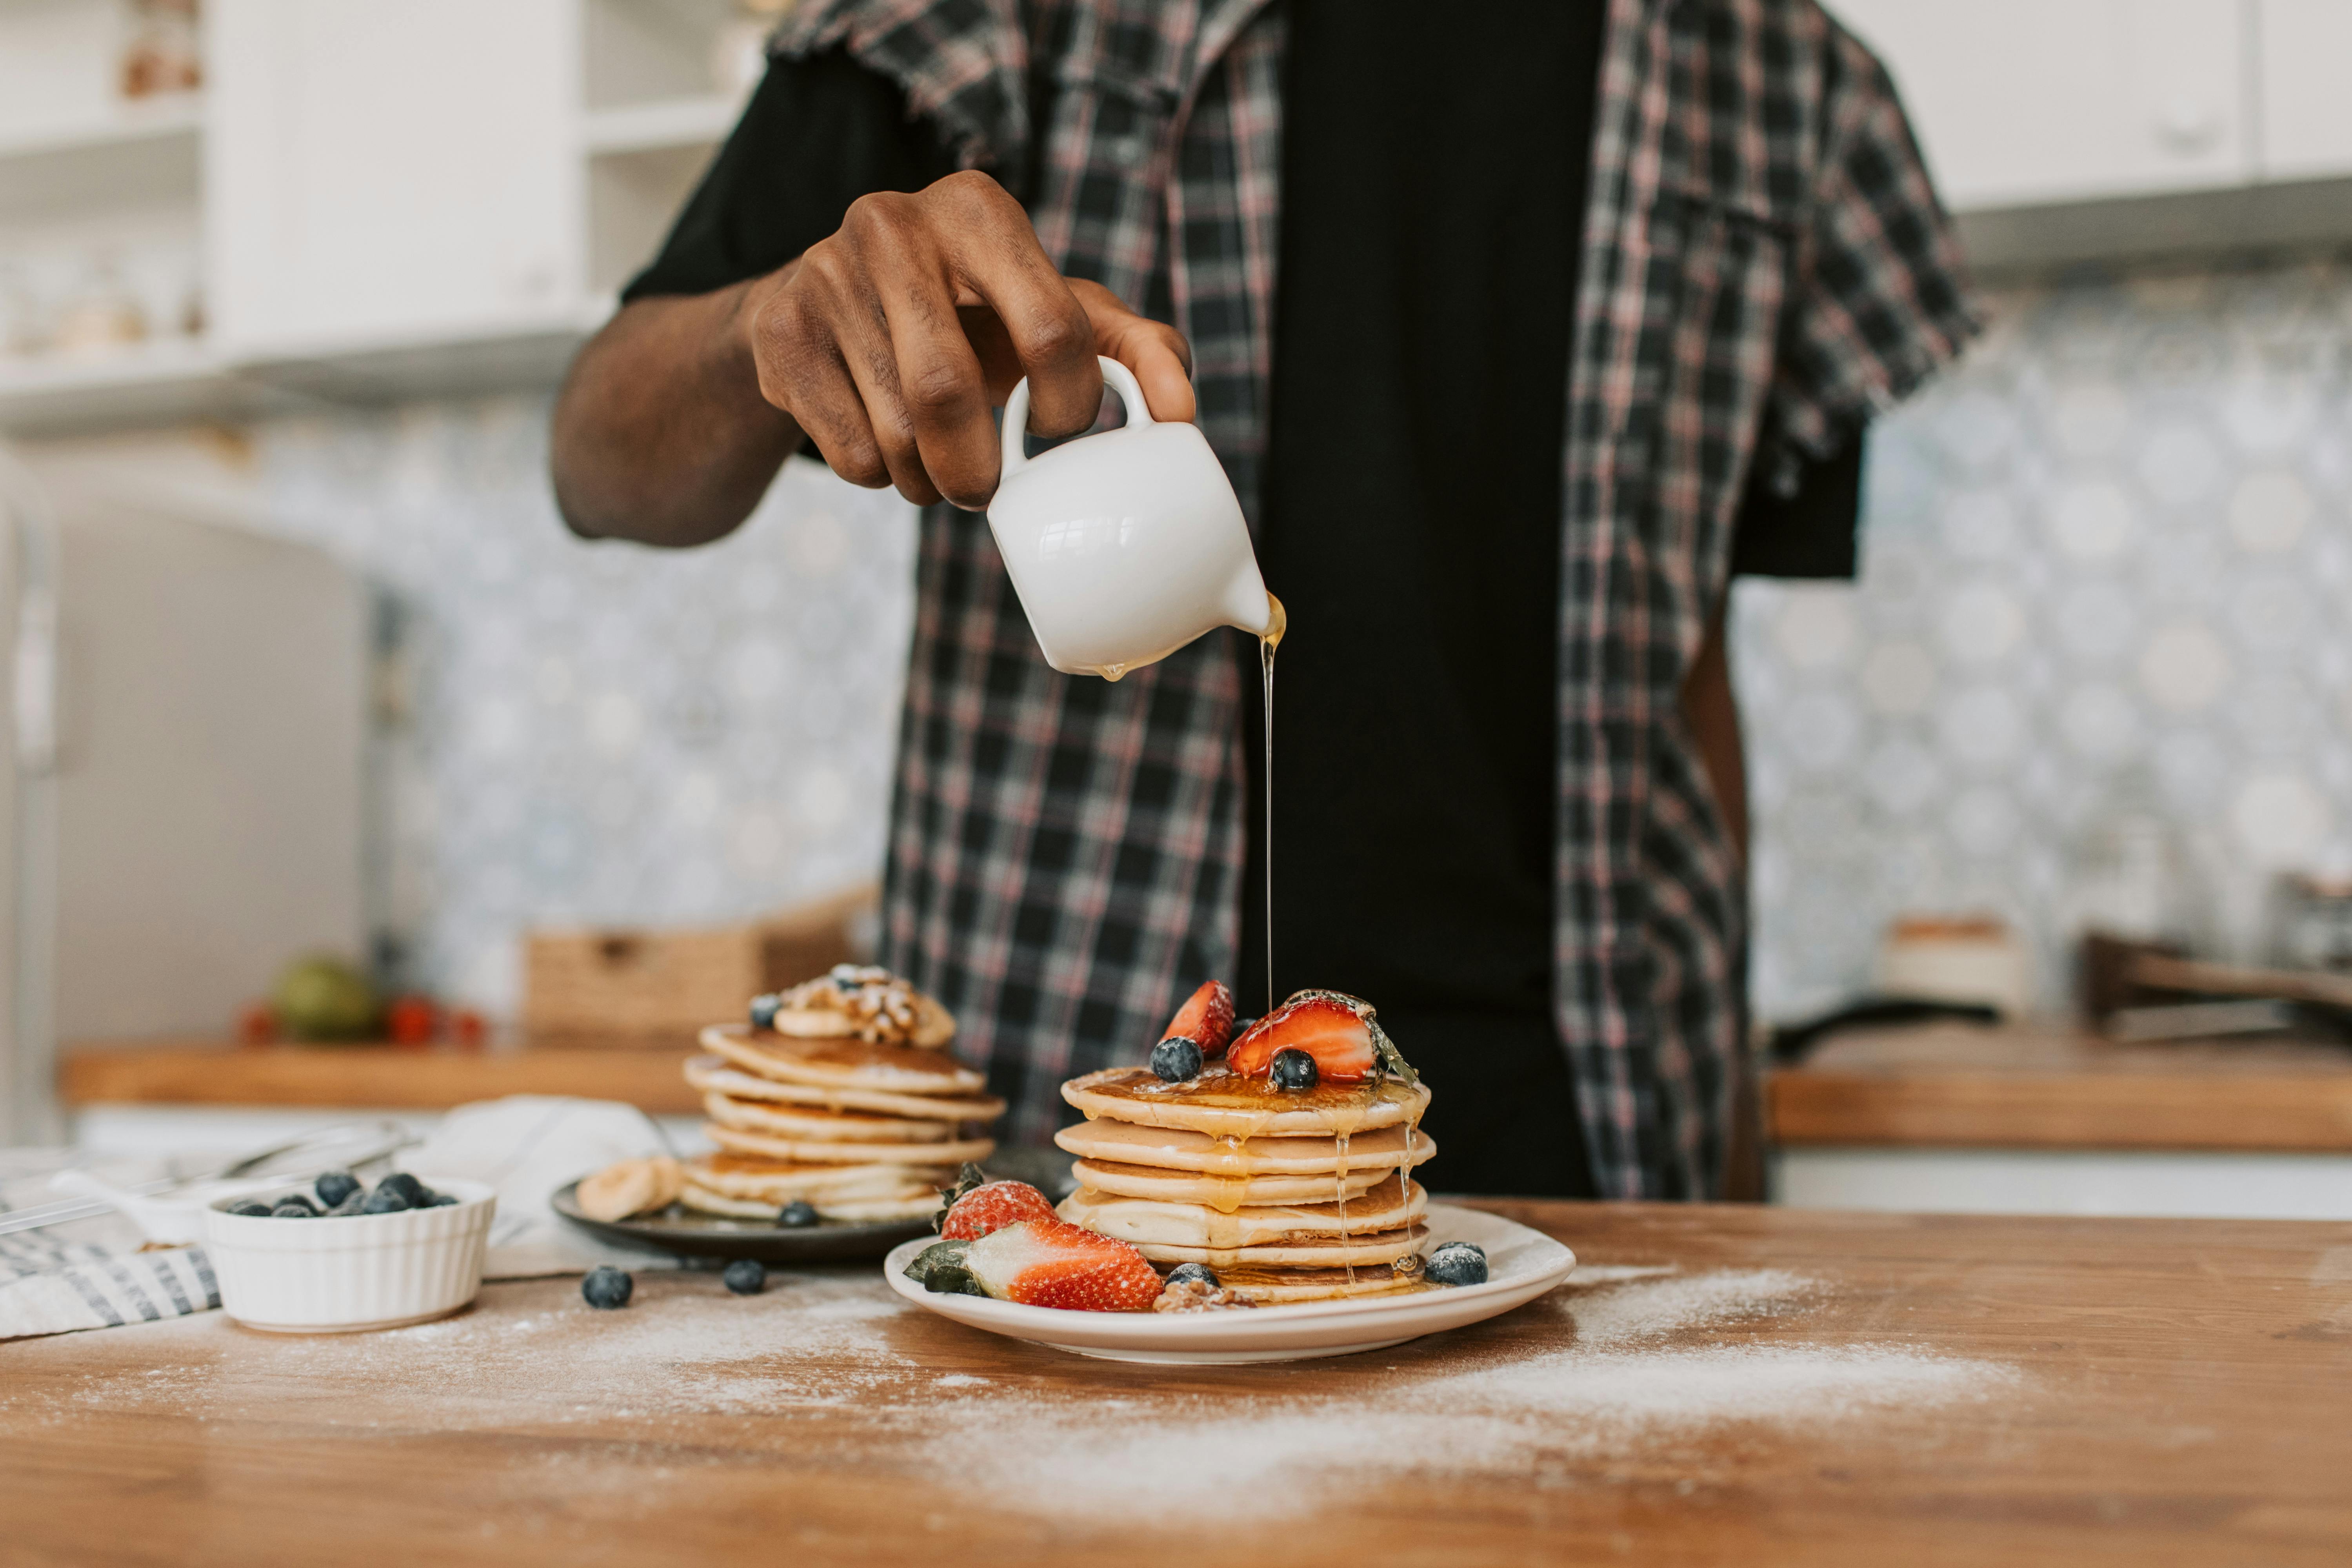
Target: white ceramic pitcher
(1124,545)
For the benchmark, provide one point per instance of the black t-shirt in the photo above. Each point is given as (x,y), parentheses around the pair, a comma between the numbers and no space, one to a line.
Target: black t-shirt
(1433,191)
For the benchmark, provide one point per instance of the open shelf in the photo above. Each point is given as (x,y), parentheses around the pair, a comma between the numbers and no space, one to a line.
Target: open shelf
(164,381)
(664,125)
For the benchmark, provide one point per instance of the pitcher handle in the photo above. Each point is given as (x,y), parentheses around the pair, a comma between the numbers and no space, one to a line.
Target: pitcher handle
(1016,412)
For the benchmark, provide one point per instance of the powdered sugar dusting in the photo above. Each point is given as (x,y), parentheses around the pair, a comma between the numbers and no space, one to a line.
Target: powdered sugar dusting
(1624,1362)
(1620,1386)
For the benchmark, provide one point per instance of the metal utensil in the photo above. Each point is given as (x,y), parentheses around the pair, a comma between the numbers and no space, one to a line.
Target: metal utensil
(340,1145)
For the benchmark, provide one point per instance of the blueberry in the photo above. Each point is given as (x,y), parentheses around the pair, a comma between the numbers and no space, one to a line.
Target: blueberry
(1185,1273)
(442,1201)
(1457,1263)
(354,1203)
(294,1209)
(407,1186)
(1175,1059)
(1295,1069)
(385,1199)
(1240,1026)
(763,1010)
(258,1211)
(746,1277)
(334,1187)
(847,977)
(796,1214)
(607,1287)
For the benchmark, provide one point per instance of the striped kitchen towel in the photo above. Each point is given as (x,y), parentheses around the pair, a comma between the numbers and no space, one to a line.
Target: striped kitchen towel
(90,1274)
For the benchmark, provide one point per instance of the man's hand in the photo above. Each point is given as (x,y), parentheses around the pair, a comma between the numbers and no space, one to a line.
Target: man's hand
(889,343)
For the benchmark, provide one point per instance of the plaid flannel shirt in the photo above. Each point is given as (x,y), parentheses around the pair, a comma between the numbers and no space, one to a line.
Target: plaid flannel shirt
(1764,267)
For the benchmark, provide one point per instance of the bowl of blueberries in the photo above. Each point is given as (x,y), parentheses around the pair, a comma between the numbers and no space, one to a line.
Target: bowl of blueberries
(337,1254)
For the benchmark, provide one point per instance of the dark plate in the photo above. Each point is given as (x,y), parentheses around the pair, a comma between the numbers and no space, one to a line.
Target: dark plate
(682,1233)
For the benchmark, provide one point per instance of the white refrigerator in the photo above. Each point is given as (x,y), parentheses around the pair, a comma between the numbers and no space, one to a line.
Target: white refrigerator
(183,811)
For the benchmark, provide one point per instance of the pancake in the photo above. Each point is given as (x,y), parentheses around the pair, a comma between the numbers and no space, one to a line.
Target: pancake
(912,1205)
(1222,1104)
(843,1063)
(1173,1149)
(1222,1192)
(776,1182)
(1312,1252)
(1391,1206)
(712,1075)
(813,1123)
(813,1153)
(1271,1287)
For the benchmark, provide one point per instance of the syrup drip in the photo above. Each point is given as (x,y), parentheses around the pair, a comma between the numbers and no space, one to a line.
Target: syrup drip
(1277,622)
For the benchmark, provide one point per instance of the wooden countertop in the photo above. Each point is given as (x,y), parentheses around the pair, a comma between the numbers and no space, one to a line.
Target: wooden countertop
(1720,1384)
(643,1072)
(1954,1084)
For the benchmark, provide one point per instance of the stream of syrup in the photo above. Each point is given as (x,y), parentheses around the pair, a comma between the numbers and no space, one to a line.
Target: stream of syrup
(1277,622)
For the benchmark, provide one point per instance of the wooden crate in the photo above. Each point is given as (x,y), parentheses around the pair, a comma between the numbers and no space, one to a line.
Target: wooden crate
(620,981)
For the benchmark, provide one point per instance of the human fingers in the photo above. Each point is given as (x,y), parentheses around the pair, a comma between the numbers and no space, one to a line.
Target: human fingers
(1156,352)
(994,261)
(797,354)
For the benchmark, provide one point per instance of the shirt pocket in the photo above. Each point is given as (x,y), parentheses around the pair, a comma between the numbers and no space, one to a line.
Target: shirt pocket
(1711,278)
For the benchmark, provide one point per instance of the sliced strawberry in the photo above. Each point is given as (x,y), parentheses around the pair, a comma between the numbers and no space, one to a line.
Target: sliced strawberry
(1206,1020)
(1052,1263)
(1332,1028)
(990,1208)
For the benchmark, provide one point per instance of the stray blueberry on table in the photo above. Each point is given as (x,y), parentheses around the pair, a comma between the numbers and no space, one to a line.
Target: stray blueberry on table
(796,1214)
(763,1010)
(1295,1069)
(1185,1273)
(334,1186)
(293,1209)
(607,1287)
(1457,1263)
(746,1277)
(258,1211)
(385,1199)
(1175,1059)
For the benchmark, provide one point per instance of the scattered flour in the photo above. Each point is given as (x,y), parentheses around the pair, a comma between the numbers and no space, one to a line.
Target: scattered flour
(1612,1391)
(1655,1358)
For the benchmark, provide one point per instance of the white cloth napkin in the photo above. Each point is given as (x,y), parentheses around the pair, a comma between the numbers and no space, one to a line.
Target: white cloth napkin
(89,1274)
(93,1273)
(528,1146)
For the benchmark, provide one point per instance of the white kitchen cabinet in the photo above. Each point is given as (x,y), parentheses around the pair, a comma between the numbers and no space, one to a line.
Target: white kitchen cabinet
(2303,49)
(385,173)
(2019,103)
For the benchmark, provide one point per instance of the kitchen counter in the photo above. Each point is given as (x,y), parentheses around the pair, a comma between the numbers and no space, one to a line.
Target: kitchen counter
(642,1071)
(2021,1087)
(1717,1384)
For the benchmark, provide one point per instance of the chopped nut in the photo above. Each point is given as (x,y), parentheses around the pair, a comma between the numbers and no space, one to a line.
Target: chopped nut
(1199,1296)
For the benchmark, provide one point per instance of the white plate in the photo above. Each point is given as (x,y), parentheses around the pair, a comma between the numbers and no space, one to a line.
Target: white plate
(1521,1265)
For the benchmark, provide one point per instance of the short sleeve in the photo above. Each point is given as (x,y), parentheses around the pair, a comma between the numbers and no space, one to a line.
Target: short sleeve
(1883,298)
(819,133)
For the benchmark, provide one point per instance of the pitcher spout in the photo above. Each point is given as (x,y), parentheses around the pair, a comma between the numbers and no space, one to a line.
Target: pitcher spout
(1246,603)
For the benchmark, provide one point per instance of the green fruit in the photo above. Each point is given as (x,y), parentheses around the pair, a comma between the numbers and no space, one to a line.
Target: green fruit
(324,998)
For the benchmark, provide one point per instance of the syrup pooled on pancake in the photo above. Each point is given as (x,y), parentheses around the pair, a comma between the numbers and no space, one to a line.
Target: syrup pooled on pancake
(1250,1166)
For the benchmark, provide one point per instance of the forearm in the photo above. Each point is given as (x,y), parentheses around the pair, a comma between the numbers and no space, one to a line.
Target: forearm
(660,433)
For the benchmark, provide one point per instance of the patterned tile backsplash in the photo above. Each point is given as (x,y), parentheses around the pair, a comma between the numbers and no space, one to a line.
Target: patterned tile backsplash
(2107,567)
(2108,574)
(600,733)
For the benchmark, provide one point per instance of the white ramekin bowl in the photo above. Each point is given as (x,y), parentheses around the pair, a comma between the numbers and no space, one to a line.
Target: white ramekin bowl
(330,1275)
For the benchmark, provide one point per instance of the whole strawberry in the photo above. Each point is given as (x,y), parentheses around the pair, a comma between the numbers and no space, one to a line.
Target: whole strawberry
(1052,1263)
(975,1206)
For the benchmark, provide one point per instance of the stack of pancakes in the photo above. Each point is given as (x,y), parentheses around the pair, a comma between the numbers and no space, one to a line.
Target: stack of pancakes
(849,1102)
(1289,1195)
